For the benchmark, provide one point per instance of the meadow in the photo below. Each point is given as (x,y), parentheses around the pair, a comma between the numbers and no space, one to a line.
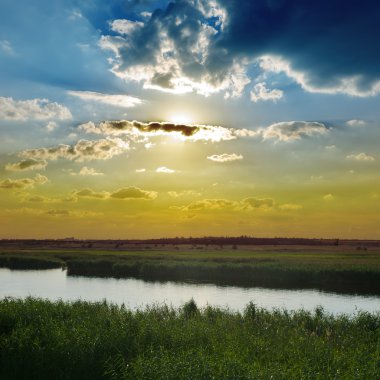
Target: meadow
(56,340)
(338,269)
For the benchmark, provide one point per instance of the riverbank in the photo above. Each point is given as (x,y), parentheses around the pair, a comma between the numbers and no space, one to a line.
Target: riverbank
(46,340)
(334,269)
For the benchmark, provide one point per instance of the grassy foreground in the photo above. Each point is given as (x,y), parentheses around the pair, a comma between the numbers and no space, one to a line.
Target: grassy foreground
(337,269)
(45,340)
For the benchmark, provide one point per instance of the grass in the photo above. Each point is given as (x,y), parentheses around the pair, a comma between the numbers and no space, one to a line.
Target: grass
(338,269)
(57,340)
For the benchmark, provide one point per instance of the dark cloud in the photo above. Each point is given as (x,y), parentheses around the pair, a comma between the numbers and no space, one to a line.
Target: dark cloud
(124,193)
(186,130)
(195,132)
(28,164)
(23,183)
(133,193)
(327,39)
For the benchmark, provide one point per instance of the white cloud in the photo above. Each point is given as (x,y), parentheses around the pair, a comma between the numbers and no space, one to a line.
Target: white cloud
(345,85)
(123,26)
(75,15)
(51,126)
(176,194)
(90,127)
(164,169)
(260,92)
(361,157)
(356,123)
(83,150)
(293,130)
(175,62)
(32,109)
(6,47)
(87,171)
(143,170)
(125,101)
(225,157)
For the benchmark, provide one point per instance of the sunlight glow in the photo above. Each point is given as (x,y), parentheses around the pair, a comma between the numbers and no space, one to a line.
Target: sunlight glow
(180,119)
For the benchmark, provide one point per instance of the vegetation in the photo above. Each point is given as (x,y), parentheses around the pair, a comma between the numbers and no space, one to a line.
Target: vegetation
(44,340)
(332,268)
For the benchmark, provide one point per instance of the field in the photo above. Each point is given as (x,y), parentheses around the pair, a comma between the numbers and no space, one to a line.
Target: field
(45,340)
(340,269)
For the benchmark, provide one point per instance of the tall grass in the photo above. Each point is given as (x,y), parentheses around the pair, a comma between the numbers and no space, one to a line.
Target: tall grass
(44,340)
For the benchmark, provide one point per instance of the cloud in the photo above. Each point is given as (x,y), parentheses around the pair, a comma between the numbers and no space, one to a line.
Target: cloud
(88,193)
(83,150)
(290,207)
(51,126)
(176,194)
(7,47)
(356,123)
(328,197)
(71,213)
(143,170)
(139,132)
(170,50)
(23,183)
(311,38)
(351,85)
(293,130)
(225,157)
(260,92)
(361,157)
(135,129)
(88,171)
(246,204)
(133,193)
(257,203)
(125,27)
(28,164)
(53,212)
(123,193)
(113,100)
(33,109)
(39,199)
(243,132)
(209,46)
(209,204)
(164,169)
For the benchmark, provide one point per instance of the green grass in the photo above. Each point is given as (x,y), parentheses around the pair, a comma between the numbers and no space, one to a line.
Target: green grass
(45,340)
(337,269)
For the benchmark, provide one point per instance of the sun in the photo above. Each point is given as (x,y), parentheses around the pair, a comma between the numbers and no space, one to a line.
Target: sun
(180,119)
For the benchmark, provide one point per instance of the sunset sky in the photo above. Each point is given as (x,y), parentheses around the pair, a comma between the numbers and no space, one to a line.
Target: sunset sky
(139,119)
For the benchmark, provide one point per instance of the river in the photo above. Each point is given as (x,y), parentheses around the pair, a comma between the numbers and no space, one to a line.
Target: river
(55,284)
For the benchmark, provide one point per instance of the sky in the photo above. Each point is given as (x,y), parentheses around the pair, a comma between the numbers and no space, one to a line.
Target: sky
(144,119)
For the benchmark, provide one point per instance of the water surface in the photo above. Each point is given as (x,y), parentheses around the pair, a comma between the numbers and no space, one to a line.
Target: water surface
(54,284)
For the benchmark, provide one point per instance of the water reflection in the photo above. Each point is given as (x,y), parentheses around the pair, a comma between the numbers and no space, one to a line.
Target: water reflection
(54,284)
